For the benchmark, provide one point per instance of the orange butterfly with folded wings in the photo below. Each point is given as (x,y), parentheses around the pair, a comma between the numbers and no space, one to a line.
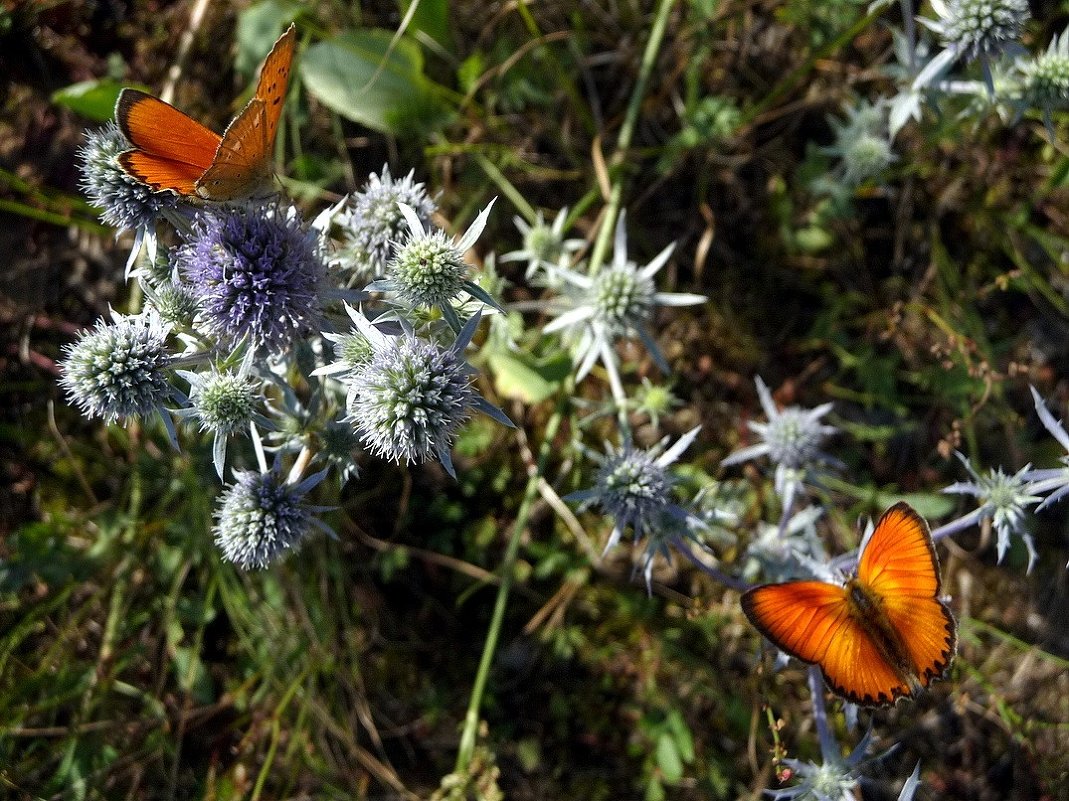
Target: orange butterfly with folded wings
(172,151)
(886,634)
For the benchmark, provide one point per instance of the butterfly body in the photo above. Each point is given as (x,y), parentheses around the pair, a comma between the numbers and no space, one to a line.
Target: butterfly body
(173,152)
(885,634)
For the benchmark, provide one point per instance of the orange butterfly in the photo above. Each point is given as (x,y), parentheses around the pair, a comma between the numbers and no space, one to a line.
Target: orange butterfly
(172,151)
(886,634)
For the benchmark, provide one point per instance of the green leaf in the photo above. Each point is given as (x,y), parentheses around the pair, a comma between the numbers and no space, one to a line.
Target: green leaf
(94,99)
(521,377)
(668,758)
(430,18)
(930,505)
(258,28)
(359,77)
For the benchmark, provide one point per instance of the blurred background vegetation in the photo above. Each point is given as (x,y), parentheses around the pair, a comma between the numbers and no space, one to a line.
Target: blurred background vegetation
(134,663)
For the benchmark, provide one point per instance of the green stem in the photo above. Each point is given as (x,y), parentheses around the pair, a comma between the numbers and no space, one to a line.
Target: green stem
(471,718)
(627,130)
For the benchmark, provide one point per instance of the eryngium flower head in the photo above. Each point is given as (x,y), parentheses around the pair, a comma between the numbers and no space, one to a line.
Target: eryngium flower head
(792,440)
(428,270)
(618,301)
(1005,498)
(633,486)
(371,222)
(120,369)
(862,142)
(410,399)
(1045,78)
(261,518)
(256,273)
(979,28)
(544,245)
(126,203)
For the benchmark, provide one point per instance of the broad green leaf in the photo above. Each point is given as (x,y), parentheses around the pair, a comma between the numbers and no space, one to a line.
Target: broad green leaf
(431,18)
(520,377)
(94,99)
(258,28)
(359,77)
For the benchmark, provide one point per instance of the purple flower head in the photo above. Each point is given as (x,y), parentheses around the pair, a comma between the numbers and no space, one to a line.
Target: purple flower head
(256,273)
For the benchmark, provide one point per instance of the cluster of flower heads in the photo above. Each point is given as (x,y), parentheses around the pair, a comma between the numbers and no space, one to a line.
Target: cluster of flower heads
(251,309)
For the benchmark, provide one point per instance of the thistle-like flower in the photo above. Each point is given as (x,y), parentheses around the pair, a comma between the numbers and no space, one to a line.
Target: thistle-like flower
(261,517)
(975,30)
(1045,79)
(544,246)
(1005,499)
(410,398)
(863,143)
(370,223)
(428,269)
(788,551)
(222,402)
(619,301)
(792,440)
(256,274)
(634,487)
(125,202)
(121,370)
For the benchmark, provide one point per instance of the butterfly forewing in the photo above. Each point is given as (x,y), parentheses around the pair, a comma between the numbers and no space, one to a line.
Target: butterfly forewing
(161,173)
(274,80)
(159,129)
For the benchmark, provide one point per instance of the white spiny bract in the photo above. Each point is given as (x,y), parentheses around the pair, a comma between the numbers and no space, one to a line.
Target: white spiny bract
(223,402)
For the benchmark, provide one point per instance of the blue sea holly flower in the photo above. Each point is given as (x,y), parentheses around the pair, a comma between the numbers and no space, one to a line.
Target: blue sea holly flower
(256,274)
(370,223)
(409,400)
(261,517)
(619,301)
(428,269)
(863,143)
(544,245)
(976,30)
(121,370)
(1045,79)
(792,439)
(1004,498)
(835,777)
(223,402)
(634,488)
(125,202)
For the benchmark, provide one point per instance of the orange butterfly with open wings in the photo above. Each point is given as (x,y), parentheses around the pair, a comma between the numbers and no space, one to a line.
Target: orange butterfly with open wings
(886,634)
(172,151)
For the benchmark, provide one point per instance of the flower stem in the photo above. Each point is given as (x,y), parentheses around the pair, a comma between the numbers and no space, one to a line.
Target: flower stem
(627,130)
(471,718)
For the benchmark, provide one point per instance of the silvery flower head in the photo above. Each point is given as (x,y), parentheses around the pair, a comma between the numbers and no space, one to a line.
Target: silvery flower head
(1045,78)
(981,27)
(409,400)
(125,202)
(619,301)
(544,246)
(222,402)
(371,224)
(863,143)
(634,487)
(428,268)
(976,30)
(1005,499)
(121,370)
(261,517)
(792,439)
(256,274)
(791,550)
